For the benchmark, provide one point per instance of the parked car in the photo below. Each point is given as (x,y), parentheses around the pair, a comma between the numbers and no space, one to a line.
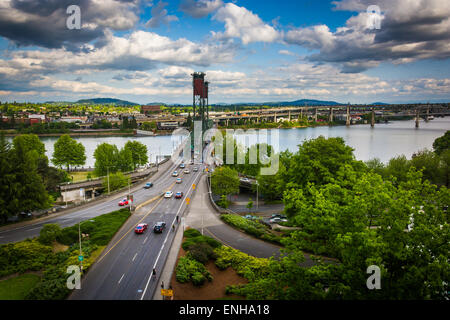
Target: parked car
(168,194)
(159,227)
(175,174)
(123,202)
(148,185)
(186,171)
(178,195)
(245,180)
(141,227)
(250,217)
(179,180)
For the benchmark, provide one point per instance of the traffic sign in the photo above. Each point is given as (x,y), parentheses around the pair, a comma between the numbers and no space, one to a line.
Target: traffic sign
(80,258)
(167,292)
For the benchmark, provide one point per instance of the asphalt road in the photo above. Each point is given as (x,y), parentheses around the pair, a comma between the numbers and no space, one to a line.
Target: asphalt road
(91,210)
(123,272)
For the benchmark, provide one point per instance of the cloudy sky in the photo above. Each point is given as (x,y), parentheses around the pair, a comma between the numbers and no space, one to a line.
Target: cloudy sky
(251,50)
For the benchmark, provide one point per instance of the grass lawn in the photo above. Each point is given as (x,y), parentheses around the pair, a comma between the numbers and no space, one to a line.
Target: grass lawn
(80,175)
(16,288)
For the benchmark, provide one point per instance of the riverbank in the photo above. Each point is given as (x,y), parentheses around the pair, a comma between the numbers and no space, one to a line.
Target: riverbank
(112,133)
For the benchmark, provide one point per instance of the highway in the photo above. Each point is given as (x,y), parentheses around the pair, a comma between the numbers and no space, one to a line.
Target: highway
(71,217)
(124,270)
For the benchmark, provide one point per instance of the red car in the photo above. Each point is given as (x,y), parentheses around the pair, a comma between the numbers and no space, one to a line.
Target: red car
(123,202)
(178,195)
(140,228)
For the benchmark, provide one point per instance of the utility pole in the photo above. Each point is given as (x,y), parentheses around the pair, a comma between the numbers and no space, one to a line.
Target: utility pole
(107,170)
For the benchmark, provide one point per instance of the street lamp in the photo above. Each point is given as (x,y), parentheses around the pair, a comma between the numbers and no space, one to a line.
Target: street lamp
(79,240)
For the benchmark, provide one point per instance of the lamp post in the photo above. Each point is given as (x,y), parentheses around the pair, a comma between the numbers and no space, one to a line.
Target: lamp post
(257,197)
(79,240)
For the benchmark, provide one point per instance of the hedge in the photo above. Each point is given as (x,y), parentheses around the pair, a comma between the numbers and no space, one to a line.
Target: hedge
(191,270)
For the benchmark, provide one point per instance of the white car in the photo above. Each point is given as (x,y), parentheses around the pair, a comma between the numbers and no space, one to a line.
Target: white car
(168,194)
(186,171)
(175,174)
(179,180)
(276,220)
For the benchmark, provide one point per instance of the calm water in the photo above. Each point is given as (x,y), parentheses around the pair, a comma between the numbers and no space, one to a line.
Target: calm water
(384,141)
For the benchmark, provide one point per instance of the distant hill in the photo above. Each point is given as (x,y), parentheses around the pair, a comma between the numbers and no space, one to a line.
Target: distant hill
(116,102)
(302,102)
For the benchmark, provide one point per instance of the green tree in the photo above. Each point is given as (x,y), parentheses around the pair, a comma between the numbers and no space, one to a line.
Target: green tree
(442,143)
(318,160)
(430,164)
(125,160)
(397,169)
(116,181)
(30,142)
(49,233)
(106,159)
(225,181)
(29,189)
(138,152)
(68,152)
(7,180)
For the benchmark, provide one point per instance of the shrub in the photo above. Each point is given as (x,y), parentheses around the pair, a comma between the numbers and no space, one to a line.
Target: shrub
(200,239)
(191,270)
(191,233)
(49,233)
(245,265)
(202,252)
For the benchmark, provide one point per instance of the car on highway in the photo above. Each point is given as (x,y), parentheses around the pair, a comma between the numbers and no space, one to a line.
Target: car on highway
(168,194)
(182,166)
(191,162)
(159,227)
(276,220)
(195,169)
(148,185)
(123,202)
(186,171)
(140,228)
(179,180)
(179,195)
(175,174)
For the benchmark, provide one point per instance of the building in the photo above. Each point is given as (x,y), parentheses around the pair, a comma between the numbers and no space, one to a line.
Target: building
(151,109)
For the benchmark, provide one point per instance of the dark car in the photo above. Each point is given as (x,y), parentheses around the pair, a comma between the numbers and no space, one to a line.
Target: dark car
(159,227)
(148,185)
(140,228)
(178,195)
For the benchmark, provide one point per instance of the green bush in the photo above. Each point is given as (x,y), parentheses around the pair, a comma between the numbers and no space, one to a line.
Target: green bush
(247,266)
(191,233)
(191,270)
(49,233)
(200,239)
(202,252)
(27,255)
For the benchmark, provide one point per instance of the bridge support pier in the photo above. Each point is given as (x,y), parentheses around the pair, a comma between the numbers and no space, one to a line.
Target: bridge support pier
(331,115)
(372,120)
(315,115)
(417,118)
(347,122)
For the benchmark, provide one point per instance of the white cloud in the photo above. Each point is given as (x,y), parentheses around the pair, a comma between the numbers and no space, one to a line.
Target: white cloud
(244,24)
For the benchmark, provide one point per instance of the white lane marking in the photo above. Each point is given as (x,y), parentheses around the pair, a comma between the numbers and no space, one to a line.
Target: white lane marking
(33,229)
(121,278)
(145,240)
(167,236)
(134,257)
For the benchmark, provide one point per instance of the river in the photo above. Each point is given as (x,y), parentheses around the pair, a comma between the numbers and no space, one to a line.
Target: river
(384,141)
